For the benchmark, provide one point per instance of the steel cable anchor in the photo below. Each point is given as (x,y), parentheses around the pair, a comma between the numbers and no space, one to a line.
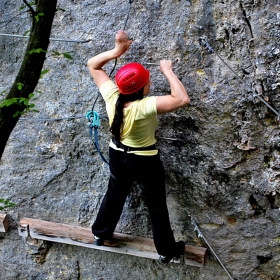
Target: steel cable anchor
(200,235)
(203,41)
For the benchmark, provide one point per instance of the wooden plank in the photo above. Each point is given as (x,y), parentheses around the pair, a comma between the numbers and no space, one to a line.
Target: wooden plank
(4,223)
(121,243)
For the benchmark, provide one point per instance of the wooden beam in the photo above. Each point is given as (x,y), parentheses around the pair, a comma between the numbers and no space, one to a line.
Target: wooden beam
(121,243)
(4,223)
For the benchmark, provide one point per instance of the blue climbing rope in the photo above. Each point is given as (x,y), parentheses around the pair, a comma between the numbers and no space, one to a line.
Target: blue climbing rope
(116,60)
(94,123)
(92,116)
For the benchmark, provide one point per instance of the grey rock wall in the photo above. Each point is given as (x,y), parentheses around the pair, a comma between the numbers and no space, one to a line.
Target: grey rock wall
(223,166)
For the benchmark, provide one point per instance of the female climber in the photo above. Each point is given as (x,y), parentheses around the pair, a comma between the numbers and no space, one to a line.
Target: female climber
(132,152)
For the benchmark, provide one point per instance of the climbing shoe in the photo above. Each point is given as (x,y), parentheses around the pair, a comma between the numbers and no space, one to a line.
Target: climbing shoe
(98,241)
(179,250)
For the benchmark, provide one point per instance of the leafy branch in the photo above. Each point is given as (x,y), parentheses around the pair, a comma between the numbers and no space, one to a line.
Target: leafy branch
(37,17)
(22,101)
(29,5)
(55,53)
(40,50)
(5,203)
(20,86)
(43,73)
(65,55)
(60,9)
(30,68)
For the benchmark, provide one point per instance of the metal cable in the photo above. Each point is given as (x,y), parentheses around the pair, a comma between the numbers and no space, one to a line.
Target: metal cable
(211,50)
(51,39)
(58,119)
(130,2)
(115,64)
(102,117)
(49,119)
(196,228)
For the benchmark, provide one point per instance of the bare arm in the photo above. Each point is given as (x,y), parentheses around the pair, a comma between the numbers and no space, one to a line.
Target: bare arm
(178,98)
(95,64)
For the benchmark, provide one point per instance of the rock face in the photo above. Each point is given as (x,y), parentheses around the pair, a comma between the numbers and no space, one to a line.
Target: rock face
(221,153)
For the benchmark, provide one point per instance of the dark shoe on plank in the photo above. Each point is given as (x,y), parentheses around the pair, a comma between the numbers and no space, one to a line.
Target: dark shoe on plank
(179,250)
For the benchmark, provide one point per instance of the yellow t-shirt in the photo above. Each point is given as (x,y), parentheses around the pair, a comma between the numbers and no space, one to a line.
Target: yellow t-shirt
(139,122)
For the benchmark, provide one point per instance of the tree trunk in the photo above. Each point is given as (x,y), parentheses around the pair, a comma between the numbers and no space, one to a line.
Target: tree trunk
(31,67)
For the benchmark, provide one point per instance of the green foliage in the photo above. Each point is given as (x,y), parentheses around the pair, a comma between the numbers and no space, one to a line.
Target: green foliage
(56,53)
(40,50)
(26,32)
(21,101)
(37,17)
(5,203)
(20,86)
(60,9)
(24,6)
(2,92)
(43,73)
(65,55)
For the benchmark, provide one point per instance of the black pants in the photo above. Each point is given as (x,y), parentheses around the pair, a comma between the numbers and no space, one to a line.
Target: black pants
(148,172)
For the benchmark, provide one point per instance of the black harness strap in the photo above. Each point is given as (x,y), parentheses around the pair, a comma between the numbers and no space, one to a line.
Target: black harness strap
(128,149)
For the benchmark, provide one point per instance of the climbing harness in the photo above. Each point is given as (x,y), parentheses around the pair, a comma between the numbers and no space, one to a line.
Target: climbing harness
(199,233)
(203,41)
(51,39)
(94,123)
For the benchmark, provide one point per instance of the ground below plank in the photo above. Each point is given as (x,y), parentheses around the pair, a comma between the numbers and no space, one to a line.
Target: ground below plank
(121,243)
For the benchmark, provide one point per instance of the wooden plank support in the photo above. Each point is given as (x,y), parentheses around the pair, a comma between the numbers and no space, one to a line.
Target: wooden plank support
(4,223)
(121,243)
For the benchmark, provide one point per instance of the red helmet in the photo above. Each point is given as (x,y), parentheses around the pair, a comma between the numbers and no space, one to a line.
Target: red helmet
(132,77)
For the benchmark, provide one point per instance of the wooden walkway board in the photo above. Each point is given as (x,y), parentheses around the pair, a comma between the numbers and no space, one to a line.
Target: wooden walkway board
(121,243)
(4,223)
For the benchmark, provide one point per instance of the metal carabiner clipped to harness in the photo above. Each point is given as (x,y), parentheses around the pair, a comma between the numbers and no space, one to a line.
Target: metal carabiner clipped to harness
(94,122)
(93,119)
